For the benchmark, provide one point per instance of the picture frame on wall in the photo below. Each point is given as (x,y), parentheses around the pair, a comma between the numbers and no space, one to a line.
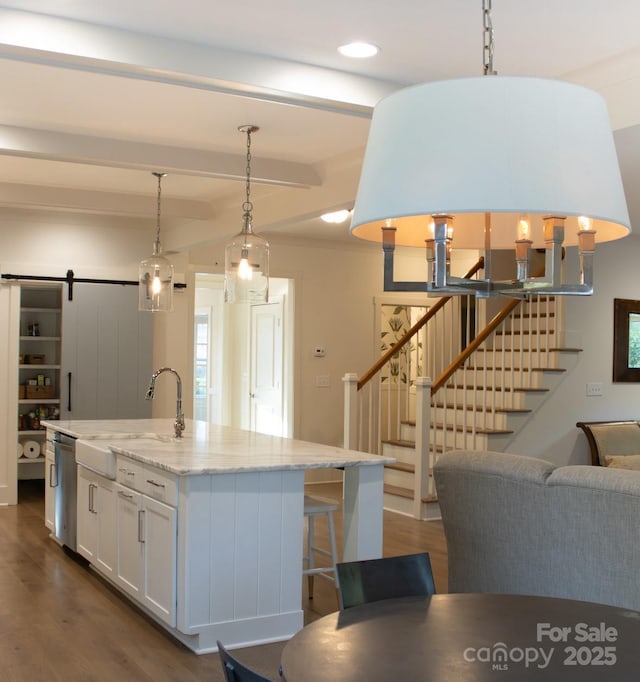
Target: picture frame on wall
(626,340)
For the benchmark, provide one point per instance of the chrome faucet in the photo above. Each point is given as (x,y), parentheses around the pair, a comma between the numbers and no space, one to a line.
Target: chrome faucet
(178,425)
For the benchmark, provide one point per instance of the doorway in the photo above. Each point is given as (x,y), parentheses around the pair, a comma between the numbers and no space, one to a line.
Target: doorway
(243,358)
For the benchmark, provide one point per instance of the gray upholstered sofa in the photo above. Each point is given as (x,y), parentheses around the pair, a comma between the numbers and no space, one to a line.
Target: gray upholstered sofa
(521,525)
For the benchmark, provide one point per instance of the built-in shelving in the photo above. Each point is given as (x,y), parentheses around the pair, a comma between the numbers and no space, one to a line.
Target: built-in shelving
(40,339)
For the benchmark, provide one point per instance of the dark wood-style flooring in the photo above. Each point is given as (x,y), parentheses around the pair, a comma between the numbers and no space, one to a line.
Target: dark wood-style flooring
(60,621)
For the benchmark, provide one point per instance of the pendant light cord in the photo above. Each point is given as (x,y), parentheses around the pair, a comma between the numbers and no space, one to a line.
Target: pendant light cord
(247,206)
(157,247)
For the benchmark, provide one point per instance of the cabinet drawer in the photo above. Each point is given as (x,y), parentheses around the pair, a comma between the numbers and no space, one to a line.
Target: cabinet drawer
(147,479)
(161,485)
(130,473)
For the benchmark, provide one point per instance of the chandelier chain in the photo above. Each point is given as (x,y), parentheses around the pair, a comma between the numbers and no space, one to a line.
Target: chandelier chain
(487,35)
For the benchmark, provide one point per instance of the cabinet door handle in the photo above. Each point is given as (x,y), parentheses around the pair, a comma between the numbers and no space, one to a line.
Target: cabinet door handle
(141,526)
(92,488)
(155,483)
(69,392)
(128,496)
(53,473)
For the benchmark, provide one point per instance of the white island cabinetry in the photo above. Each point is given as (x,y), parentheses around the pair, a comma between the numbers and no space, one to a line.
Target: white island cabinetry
(147,539)
(208,529)
(96,521)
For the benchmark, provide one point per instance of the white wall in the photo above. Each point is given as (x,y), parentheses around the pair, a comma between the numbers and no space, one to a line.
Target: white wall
(589,320)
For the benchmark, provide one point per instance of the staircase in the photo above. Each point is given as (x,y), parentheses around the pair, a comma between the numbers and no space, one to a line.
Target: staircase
(479,400)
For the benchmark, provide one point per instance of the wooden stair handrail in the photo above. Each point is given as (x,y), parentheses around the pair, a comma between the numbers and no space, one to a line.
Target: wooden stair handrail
(480,338)
(440,303)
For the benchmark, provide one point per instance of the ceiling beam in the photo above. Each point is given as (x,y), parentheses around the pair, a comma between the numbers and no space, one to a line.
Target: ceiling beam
(99,151)
(79,45)
(110,203)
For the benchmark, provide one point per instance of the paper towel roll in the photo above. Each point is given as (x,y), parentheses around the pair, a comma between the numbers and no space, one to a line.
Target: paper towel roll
(20,449)
(31,449)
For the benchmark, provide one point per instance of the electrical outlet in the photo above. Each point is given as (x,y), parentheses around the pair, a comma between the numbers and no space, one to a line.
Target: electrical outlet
(322,381)
(594,388)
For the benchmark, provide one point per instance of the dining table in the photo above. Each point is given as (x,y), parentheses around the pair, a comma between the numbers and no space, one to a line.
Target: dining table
(468,638)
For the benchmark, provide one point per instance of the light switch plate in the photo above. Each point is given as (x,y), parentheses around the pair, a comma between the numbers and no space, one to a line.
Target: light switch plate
(594,388)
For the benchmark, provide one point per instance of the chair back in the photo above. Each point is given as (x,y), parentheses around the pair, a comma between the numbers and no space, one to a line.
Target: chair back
(391,577)
(234,671)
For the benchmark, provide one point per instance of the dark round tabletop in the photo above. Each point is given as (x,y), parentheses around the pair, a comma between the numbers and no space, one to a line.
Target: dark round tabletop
(468,637)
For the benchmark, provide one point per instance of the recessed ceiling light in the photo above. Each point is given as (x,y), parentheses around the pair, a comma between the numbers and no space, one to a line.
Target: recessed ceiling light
(359,50)
(336,216)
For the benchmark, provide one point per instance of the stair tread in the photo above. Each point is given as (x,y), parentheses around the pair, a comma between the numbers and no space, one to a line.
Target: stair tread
(402,466)
(470,429)
(406,492)
(514,332)
(518,369)
(401,442)
(555,349)
(534,316)
(498,388)
(471,408)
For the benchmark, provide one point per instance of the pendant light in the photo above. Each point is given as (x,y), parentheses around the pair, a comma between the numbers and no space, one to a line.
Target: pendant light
(492,162)
(246,257)
(155,280)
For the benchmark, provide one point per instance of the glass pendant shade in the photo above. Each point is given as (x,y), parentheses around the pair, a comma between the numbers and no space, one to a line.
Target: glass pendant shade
(155,290)
(246,269)
(155,275)
(246,256)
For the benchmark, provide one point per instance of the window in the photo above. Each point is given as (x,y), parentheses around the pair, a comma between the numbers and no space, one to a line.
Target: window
(201,367)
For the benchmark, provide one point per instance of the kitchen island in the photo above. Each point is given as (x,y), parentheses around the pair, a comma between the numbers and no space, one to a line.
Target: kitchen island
(205,532)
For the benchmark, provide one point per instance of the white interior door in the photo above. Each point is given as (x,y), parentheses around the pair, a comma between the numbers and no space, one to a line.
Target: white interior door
(266,378)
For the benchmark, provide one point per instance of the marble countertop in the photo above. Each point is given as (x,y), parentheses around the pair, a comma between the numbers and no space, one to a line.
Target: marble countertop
(209,448)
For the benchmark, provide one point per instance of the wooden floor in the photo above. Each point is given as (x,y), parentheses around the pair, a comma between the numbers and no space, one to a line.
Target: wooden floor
(60,621)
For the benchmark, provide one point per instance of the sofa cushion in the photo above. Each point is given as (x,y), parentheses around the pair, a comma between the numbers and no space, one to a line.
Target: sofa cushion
(623,461)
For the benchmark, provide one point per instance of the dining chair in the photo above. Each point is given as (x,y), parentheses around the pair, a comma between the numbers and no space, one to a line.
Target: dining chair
(391,577)
(234,671)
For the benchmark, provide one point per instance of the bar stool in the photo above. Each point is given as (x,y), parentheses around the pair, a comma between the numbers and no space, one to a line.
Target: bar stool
(312,508)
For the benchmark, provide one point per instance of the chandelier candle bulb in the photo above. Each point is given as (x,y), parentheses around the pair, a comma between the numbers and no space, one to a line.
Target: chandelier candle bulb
(523,228)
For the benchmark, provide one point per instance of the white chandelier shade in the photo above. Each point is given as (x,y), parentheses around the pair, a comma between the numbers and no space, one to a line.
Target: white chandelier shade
(504,146)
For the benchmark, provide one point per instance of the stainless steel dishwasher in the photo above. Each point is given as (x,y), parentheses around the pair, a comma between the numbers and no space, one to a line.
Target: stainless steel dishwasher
(66,489)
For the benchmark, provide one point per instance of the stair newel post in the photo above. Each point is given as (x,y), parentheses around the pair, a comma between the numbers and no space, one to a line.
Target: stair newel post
(350,411)
(421,481)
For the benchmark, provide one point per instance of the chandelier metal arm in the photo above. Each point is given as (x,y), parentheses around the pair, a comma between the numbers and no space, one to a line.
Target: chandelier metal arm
(388,249)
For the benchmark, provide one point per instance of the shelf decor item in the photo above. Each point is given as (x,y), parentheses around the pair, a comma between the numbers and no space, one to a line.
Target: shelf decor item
(40,392)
